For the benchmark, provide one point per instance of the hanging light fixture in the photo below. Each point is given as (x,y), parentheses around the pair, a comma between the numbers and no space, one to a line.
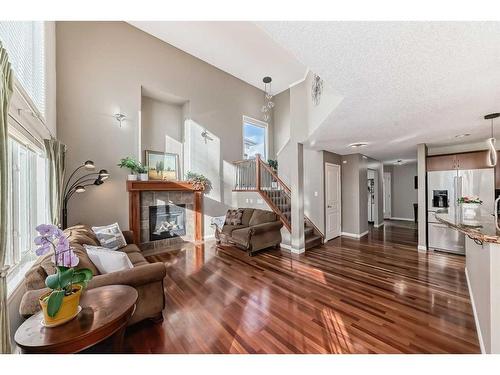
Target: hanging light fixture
(268,104)
(492,152)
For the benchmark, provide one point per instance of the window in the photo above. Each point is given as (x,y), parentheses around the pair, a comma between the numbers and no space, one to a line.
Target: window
(25,44)
(254,138)
(27,197)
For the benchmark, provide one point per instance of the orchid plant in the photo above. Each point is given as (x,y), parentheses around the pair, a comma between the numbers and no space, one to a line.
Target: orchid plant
(52,239)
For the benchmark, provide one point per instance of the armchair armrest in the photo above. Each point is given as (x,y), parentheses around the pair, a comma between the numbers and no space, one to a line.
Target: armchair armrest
(129,236)
(265,227)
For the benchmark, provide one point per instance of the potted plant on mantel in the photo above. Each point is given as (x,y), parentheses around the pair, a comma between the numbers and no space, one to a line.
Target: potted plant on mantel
(198,181)
(137,170)
(61,303)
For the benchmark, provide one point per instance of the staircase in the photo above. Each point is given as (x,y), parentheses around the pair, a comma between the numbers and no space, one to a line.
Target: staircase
(255,175)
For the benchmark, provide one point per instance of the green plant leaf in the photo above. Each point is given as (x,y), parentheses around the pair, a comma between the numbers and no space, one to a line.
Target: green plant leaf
(82,277)
(52,281)
(65,276)
(54,302)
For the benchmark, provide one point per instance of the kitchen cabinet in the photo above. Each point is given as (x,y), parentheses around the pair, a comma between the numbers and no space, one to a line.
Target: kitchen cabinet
(462,161)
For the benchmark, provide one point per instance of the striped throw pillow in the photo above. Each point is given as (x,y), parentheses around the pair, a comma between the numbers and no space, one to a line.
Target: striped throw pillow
(110,236)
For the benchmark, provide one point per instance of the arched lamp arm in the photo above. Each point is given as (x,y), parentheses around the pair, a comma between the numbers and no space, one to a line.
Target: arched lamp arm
(73,190)
(79,180)
(71,176)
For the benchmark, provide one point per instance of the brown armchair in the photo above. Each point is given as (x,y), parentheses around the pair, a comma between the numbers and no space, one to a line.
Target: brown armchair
(259,229)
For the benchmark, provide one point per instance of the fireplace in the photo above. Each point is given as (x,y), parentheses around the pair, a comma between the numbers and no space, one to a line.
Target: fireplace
(167,221)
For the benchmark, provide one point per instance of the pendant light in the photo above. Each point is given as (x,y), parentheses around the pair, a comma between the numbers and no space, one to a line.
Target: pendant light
(492,152)
(268,103)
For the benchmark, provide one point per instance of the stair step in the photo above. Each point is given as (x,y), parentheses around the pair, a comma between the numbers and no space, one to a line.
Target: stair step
(313,241)
(308,231)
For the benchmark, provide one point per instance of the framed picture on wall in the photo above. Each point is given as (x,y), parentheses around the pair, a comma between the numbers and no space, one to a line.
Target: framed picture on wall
(162,165)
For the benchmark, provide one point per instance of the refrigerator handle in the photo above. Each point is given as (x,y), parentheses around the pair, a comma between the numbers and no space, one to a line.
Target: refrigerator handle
(496,212)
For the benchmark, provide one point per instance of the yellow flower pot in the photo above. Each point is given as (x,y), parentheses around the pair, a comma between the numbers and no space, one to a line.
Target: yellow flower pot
(69,308)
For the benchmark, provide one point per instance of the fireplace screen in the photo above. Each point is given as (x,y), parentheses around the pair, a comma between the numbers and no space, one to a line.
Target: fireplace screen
(167,221)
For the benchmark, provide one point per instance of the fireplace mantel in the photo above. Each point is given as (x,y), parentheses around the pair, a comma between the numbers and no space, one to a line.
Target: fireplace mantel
(135,188)
(160,186)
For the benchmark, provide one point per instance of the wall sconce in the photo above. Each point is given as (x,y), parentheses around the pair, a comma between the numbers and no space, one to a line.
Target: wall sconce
(206,135)
(119,117)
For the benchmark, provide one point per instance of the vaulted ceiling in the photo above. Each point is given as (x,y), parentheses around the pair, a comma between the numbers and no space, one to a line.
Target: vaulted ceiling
(402,83)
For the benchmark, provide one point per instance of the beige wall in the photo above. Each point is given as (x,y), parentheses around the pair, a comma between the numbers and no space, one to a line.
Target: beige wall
(403,192)
(101,67)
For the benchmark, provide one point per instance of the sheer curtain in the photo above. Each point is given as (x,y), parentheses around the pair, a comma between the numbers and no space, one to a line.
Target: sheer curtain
(5,95)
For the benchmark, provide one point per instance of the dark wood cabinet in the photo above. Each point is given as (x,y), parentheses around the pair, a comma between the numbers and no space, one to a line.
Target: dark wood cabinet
(441,163)
(465,160)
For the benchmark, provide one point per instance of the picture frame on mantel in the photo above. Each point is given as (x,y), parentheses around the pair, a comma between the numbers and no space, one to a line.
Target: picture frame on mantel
(162,166)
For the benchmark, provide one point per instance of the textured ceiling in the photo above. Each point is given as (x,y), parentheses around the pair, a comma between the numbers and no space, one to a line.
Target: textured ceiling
(241,49)
(403,83)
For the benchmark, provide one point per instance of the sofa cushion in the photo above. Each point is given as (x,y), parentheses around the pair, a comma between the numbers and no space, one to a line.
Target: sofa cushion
(262,216)
(137,258)
(233,217)
(108,261)
(228,229)
(81,234)
(110,236)
(247,215)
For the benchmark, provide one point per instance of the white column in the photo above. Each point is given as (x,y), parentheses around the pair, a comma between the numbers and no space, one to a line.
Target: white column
(297,187)
(422,201)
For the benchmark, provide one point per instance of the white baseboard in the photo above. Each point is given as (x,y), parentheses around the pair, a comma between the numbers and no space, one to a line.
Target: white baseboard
(285,246)
(402,219)
(476,319)
(378,225)
(422,248)
(354,235)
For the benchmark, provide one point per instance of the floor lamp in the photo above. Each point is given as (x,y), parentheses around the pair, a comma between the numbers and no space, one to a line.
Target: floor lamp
(76,184)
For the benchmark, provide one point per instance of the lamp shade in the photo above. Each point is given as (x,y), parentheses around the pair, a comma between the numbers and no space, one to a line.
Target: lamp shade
(103,174)
(80,189)
(89,164)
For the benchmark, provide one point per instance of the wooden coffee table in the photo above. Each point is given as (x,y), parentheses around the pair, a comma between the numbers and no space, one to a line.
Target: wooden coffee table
(105,313)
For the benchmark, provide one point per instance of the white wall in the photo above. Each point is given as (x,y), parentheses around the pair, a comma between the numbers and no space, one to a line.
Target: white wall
(101,68)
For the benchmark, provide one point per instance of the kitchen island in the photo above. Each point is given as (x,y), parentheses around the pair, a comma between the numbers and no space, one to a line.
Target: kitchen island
(482,251)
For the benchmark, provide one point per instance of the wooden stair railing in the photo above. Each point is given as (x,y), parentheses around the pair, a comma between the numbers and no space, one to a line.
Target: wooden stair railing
(256,175)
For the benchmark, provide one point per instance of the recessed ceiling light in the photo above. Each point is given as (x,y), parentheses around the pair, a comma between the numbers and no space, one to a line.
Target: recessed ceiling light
(462,135)
(358,144)
(399,162)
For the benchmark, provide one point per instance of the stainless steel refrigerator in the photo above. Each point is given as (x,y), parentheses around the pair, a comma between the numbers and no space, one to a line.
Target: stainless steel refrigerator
(443,190)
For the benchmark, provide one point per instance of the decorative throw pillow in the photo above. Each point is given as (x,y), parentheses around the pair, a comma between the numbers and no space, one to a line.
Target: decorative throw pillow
(110,236)
(106,260)
(233,217)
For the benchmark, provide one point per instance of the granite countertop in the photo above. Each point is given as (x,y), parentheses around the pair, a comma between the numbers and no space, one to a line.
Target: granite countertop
(482,228)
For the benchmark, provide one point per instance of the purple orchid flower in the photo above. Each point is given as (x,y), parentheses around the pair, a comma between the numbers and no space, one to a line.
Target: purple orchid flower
(53,238)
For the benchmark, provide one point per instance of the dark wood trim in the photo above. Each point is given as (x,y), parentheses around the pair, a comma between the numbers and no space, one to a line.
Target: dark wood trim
(276,210)
(198,222)
(160,186)
(134,214)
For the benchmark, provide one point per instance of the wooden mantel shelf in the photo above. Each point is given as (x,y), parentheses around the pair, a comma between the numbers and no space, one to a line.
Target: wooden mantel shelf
(160,186)
(135,188)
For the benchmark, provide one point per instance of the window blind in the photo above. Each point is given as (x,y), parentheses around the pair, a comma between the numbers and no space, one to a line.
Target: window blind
(25,44)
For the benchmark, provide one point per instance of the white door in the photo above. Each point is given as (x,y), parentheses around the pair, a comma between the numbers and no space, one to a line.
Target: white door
(387,195)
(333,201)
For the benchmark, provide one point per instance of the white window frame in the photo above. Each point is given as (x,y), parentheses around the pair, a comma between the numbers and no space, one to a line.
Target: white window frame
(260,124)
(18,269)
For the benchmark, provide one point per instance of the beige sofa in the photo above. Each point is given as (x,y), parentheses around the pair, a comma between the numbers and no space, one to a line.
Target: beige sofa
(146,278)
(259,229)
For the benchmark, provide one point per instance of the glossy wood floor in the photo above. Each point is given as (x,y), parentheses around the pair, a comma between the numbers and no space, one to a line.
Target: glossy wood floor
(374,295)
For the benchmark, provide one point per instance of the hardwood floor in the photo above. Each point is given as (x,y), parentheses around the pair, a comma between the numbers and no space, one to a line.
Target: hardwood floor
(374,295)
